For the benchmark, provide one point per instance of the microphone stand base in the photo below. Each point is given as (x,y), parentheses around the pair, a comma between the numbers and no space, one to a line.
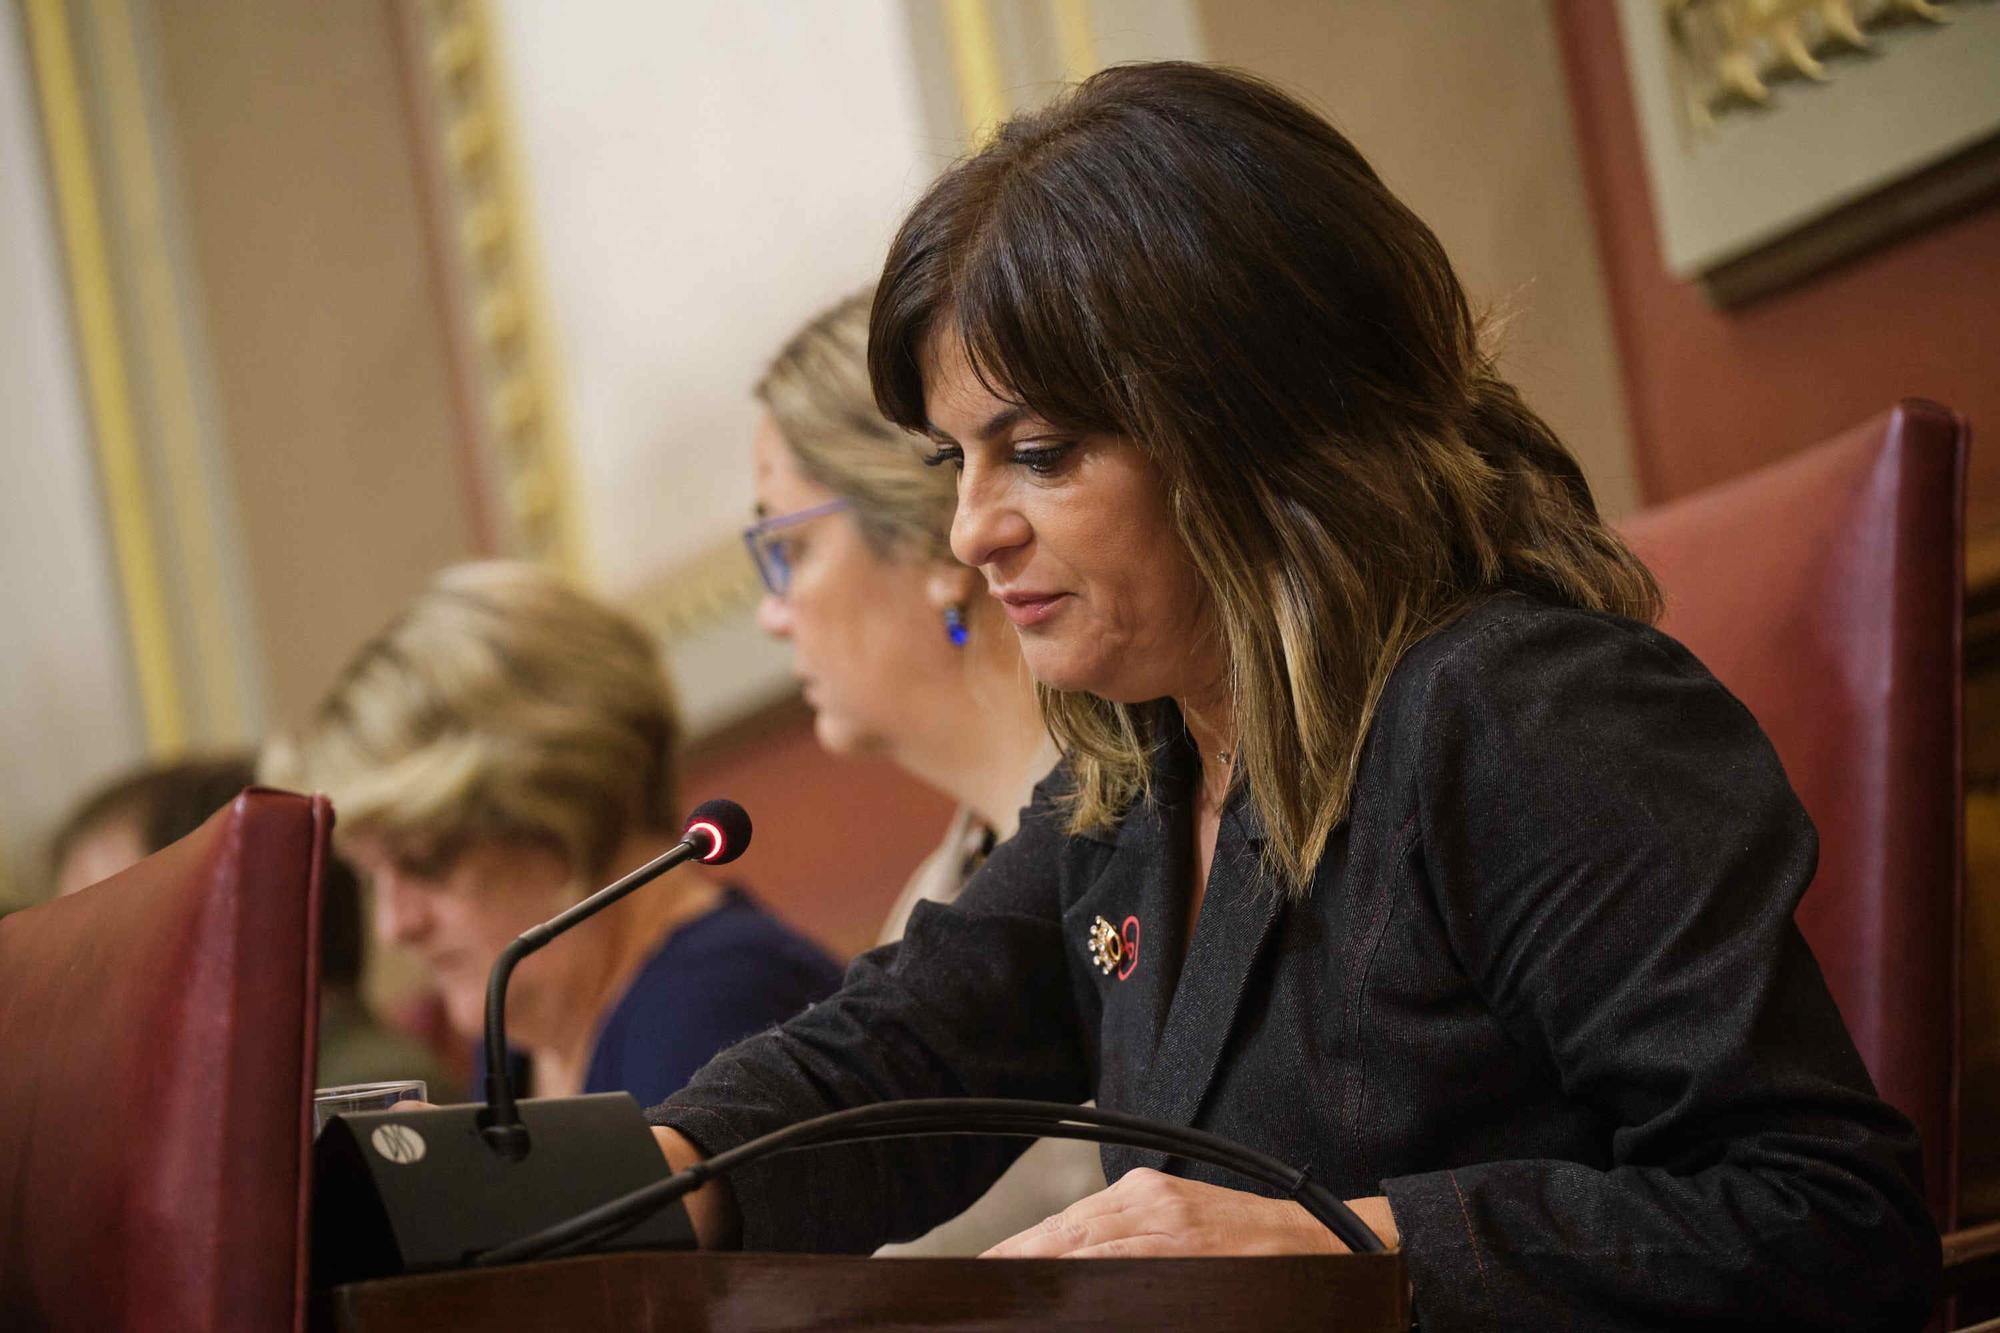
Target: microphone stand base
(419,1190)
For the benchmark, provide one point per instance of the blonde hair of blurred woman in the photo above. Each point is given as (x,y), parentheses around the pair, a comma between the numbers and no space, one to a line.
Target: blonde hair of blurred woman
(989,747)
(960,719)
(499,749)
(897,645)
(817,390)
(501,704)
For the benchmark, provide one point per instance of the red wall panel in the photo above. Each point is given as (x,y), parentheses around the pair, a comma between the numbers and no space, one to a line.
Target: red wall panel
(1713,393)
(835,839)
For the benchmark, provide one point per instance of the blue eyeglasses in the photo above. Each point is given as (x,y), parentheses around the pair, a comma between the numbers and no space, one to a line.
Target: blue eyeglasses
(767,547)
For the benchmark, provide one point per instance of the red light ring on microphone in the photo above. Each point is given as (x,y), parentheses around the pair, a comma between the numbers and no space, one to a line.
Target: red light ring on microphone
(719,843)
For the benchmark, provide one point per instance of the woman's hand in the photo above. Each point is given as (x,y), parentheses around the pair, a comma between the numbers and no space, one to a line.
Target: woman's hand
(1148,1214)
(712,1208)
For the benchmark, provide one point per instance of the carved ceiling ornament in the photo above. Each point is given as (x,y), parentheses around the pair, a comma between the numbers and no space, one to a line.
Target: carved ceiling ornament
(1728,52)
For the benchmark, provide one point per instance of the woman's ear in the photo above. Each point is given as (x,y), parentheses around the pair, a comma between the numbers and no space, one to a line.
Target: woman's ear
(951,585)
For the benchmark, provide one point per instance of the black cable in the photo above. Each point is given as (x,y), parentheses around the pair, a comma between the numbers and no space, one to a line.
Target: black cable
(1124,1138)
(950,1115)
(1142,1134)
(1326,1208)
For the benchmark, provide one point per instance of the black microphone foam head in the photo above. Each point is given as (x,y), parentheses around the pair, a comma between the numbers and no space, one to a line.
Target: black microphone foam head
(726,826)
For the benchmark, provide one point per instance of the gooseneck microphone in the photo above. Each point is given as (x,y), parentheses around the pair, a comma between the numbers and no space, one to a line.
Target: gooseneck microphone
(414,1189)
(717,832)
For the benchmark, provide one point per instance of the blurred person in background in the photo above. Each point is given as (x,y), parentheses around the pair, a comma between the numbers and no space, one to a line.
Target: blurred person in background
(899,654)
(504,747)
(145,811)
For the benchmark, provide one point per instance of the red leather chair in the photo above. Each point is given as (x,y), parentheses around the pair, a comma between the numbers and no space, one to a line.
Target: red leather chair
(157,1036)
(1826,592)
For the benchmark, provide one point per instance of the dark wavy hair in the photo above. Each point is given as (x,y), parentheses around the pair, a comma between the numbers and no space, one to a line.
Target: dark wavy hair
(1185,256)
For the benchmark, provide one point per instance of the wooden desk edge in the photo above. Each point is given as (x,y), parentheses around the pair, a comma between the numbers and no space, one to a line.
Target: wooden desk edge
(743,1292)
(1971,1255)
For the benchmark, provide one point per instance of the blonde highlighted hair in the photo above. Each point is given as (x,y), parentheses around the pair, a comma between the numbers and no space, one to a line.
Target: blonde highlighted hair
(502,704)
(817,390)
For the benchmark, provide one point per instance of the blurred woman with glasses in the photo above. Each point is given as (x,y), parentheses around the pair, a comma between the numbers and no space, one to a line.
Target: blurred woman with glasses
(900,654)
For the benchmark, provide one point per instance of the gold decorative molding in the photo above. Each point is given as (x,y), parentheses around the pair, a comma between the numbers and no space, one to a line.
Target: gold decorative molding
(520,395)
(107,380)
(975,60)
(1729,50)
(1075,39)
(1000,58)
(715,584)
(173,418)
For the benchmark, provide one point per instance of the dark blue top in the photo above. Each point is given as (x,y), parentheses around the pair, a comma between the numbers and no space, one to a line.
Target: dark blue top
(713,981)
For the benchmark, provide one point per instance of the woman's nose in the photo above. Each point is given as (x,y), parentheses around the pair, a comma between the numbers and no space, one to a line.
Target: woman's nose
(774,616)
(401,913)
(985,525)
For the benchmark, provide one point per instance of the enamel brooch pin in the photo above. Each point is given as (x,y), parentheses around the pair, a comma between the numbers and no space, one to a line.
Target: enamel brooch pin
(1115,950)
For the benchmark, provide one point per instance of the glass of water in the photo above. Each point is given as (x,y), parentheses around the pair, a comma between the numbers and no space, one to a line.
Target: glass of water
(330,1102)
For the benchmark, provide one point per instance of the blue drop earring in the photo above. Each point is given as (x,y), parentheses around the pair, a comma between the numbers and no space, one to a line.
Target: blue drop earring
(954,626)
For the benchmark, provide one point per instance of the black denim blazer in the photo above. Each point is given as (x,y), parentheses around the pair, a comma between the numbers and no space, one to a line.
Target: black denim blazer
(1545,994)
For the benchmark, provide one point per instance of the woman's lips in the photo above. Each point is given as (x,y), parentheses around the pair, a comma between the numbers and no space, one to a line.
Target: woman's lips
(1025,608)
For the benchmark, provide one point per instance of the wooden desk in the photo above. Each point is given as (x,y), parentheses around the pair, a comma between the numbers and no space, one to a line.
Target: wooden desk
(737,1293)
(1971,1258)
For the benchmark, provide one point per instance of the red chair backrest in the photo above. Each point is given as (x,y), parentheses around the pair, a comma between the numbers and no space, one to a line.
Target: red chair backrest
(1826,592)
(157,1037)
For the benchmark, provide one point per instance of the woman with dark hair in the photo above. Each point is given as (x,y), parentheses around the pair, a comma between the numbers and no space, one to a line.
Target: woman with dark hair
(1388,837)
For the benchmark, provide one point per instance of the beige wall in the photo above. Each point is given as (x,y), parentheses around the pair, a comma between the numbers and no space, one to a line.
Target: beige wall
(1461,108)
(701,177)
(325,335)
